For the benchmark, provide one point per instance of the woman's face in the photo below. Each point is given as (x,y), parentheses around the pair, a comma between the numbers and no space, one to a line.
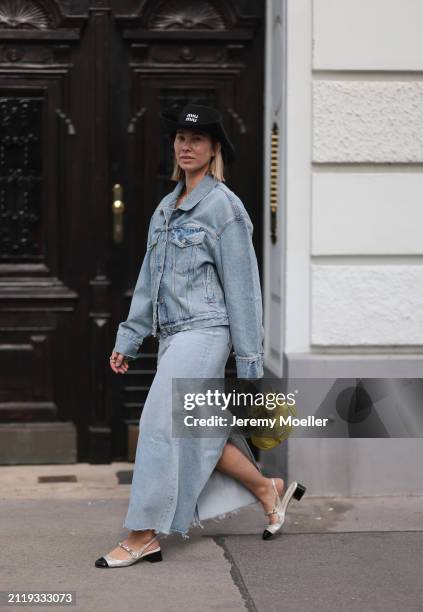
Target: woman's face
(193,150)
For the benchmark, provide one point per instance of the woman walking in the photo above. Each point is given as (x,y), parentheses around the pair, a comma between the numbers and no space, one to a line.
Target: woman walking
(198,291)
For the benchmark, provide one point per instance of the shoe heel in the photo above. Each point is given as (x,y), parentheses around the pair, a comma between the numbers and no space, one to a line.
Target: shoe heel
(154,557)
(299,491)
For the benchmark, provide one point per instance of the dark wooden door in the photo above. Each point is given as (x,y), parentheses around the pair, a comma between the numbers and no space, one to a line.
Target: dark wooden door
(81,91)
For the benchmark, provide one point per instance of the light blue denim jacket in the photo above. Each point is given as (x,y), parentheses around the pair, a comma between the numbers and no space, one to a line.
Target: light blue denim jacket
(200,270)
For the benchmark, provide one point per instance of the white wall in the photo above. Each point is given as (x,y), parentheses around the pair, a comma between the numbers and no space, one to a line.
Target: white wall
(274,274)
(367,204)
(367,35)
(351,180)
(353,219)
(297,143)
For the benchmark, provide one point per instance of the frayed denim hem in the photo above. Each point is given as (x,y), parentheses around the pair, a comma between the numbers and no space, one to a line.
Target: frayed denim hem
(125,526)
(195,523)
(159,532)
(184,534)
(164,534)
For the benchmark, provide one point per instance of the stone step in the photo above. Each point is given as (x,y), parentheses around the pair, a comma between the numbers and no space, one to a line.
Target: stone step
(34,443)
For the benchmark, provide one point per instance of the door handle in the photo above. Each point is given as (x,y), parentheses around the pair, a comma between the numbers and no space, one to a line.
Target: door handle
(118,208)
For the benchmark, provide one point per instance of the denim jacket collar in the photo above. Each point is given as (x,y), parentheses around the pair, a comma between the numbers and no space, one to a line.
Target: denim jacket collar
(197,194)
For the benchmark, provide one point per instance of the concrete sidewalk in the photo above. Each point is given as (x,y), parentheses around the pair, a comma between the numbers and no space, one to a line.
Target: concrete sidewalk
(334,554)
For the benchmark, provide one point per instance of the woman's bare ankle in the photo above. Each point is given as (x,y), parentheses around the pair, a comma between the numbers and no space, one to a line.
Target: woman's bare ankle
(141,535)
(263,488)
(266,490)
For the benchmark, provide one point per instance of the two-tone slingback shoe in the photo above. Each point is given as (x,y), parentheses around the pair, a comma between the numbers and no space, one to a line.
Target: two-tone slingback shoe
(153,556)
(296,490)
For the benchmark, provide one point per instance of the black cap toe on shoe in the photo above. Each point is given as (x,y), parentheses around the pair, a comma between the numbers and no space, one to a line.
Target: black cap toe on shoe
(101,562)
(267,535)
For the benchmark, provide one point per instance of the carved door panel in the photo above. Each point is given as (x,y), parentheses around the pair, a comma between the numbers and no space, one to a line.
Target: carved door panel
(81,88)
(38,298)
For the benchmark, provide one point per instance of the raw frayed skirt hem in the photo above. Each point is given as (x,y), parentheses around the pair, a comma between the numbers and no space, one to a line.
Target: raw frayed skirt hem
(195,523)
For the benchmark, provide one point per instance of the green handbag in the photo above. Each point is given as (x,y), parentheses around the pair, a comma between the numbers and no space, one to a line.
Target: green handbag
(264,436)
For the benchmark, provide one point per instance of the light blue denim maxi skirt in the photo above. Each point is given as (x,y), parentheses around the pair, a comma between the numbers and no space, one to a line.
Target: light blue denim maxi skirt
(175,484)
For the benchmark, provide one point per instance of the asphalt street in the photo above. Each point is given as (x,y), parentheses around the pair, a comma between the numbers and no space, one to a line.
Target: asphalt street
(334,554)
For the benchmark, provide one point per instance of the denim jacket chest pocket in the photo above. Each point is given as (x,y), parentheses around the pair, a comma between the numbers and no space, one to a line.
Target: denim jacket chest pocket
(187,248)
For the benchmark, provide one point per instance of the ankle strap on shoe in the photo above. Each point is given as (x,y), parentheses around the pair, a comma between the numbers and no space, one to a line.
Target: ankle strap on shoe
(136,553)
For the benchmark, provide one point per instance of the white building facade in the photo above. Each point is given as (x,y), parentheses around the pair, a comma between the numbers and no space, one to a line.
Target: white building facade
(343,283)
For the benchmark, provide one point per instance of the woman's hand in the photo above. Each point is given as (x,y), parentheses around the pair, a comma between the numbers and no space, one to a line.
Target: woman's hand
(118,363)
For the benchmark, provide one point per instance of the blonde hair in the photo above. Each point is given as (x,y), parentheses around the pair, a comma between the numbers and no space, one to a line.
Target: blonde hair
(216,167)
